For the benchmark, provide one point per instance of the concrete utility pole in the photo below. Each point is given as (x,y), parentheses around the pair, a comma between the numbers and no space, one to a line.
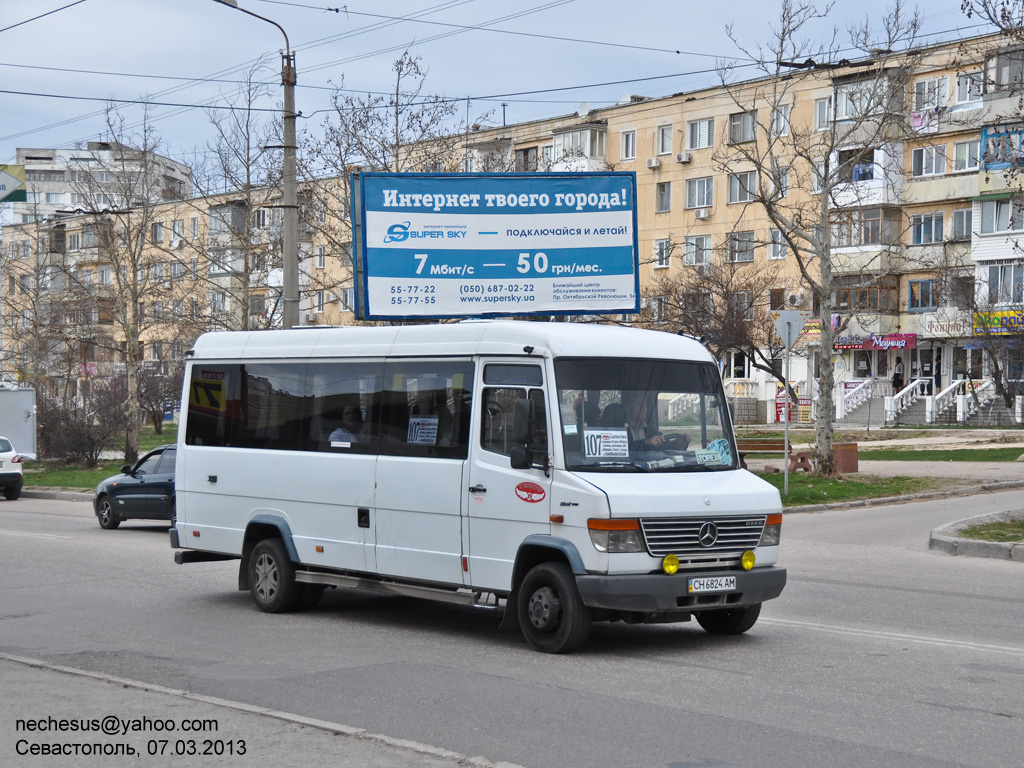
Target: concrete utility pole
(289,179)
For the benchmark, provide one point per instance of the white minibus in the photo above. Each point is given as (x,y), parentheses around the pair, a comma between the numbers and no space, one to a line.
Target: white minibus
(569,473)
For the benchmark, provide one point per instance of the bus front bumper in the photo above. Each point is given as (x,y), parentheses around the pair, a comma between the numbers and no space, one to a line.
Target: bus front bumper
(661,593)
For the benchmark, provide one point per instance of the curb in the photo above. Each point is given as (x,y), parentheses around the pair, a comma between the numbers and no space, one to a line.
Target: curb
(946,538)
(55,493)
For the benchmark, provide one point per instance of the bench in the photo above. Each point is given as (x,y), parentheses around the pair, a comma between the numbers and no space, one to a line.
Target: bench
(797,459)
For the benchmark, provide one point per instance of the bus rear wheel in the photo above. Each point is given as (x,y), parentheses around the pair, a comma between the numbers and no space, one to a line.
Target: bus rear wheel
(272,577)
(552,615)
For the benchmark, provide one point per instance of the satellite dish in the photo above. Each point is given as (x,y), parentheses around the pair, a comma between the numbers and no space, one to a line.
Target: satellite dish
(584,109)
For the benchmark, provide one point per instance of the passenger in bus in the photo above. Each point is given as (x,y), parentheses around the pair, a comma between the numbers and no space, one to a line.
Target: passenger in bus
(351,426)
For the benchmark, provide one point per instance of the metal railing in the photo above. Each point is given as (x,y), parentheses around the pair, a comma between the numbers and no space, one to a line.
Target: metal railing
(903,399)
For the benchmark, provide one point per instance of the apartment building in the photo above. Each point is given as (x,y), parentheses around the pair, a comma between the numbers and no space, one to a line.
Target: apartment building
(95,177)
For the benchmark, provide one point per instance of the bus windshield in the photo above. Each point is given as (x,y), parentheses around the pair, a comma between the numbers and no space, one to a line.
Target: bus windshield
(625,415)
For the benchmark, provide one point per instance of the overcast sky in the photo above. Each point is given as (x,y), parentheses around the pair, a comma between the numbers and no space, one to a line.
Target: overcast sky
(540,57)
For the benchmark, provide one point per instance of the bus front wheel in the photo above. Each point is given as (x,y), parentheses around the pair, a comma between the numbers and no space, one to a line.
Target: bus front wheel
(552,616)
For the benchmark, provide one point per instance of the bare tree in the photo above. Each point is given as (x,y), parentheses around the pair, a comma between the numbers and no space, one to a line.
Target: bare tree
(406,130)
(802,174)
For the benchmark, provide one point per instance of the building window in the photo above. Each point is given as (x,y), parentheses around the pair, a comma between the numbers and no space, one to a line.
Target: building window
(318,302)
(967,155)
(929,161)
(1001,216)
(663,197)
(926,228)
(699,192)
(663,139)
(741,126)
(931,93)
(194,226)
(779,246)
(662,253)
(823,114)
(870,226)
(106,275)
(780,182)
(697,250)
(526,160)
(780,120)
(321,256)
(924,295)
(1006,283)
(628,151)
(969,87)
(854,294)
(658,307)
(218,301)
(259,218)
(348,299)
(74,240)
(856,100)
(1005,69)
(54,198)
(546,153)
(777,298)
(177,271)
(741,305)
(741,247)
(856,165)
(742,187)
(579,143)
(468,164)
(700,134)
(963,223)
(157,233)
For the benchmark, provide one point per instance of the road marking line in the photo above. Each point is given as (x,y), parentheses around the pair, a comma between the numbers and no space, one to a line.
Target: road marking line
(239,706)
(36,535)
(878,634)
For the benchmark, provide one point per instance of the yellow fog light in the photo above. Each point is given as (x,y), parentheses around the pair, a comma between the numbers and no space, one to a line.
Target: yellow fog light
(670,564)
(747,561)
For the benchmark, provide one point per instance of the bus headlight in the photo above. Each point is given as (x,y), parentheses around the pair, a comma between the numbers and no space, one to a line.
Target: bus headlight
(772,531)
(615,535)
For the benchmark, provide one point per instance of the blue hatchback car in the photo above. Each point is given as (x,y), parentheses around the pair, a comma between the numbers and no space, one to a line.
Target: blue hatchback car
(142,492)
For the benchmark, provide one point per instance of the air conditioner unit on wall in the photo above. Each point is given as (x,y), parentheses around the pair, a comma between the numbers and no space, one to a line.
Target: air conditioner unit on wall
(653,162)
(797,300)
(702,213)
(683,157)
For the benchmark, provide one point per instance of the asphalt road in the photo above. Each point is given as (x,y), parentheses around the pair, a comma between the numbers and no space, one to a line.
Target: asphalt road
(879,653)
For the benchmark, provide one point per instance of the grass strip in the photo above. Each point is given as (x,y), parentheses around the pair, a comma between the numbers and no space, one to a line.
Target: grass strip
(810,489)
(1010,531)
(1011,453)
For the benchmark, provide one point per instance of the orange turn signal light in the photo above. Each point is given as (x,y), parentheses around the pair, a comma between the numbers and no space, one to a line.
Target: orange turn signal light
(613,525)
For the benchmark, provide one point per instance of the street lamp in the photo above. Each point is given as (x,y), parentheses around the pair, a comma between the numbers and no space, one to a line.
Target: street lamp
(289,181)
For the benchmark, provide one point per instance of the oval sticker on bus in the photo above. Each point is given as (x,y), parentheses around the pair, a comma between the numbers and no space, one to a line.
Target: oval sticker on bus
(530,492)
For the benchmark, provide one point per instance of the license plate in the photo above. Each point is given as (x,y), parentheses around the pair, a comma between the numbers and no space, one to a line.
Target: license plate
(712,584)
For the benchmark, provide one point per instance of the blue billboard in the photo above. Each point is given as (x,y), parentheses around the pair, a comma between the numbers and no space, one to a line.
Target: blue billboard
(456,245)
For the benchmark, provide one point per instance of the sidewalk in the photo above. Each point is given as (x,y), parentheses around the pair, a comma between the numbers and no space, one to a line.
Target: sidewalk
(140,717)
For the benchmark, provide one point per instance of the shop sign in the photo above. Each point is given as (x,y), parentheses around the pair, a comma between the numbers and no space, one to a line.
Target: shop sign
(961,327)
(999,323)
(801,414)
(873,342)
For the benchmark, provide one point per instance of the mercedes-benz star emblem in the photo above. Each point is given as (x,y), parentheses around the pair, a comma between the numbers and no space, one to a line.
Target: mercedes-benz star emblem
(708,534)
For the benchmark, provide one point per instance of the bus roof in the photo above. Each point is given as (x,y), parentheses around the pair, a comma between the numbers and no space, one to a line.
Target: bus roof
(468,337)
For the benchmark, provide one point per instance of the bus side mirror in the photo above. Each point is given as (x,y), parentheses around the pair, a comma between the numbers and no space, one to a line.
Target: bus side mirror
(524,435)
(524,416)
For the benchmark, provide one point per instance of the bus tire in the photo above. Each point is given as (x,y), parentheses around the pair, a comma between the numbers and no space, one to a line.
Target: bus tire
(734,621)
(272,578)
(552,615)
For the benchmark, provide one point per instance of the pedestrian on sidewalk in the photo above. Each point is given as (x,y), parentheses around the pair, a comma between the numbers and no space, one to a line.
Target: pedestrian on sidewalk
(897,376)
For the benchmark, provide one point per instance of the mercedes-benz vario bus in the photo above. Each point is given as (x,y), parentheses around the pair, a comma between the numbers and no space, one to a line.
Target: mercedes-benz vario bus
(570,473)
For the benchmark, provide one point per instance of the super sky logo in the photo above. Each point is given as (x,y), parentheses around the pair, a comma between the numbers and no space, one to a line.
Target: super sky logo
(397,233)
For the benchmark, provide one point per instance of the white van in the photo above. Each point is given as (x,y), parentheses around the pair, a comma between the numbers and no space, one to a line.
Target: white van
(572,473)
